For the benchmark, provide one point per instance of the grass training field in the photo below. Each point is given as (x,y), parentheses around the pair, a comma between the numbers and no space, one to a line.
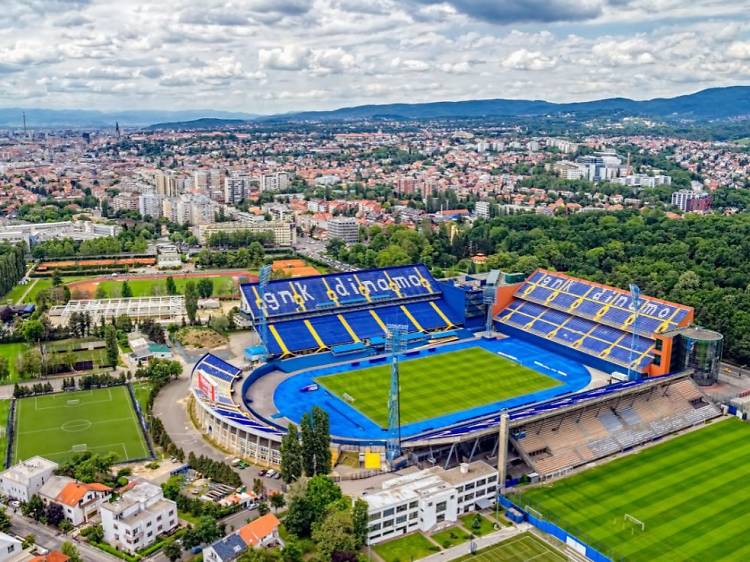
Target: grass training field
(521,548)
(690,493)
(437,385)
(223,286)
(57,426)
(404,549)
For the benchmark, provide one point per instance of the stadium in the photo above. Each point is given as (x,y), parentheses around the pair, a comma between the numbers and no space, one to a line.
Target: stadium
(540,374)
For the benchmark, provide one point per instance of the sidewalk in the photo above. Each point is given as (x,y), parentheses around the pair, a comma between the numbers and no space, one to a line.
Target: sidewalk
(481,542)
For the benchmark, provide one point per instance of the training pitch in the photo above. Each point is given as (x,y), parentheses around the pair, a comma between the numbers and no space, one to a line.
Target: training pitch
(58,426)
(521,548)
(437,385)
(687,499)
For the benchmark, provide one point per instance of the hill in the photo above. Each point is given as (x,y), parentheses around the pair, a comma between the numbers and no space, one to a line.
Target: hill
(714,103)
(82,118)
(196,124)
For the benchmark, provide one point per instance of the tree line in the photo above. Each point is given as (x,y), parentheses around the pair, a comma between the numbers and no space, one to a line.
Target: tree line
(12,265)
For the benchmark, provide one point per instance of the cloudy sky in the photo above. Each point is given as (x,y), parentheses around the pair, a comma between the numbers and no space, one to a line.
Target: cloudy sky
(267,56)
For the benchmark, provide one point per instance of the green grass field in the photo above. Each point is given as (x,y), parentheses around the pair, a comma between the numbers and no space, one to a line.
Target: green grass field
(450,537)
(690,492)
(34,287)
(56,426)
(11,351)
(410,547)
(4,413)
(437,385)
(521,548)
(223,286)
(141,391)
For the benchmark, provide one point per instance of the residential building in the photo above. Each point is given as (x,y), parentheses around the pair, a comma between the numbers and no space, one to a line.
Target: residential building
(262,532)
(430,498)
(125,202)
(284,232)
(343,228)
(25,479)
(236,188)
(150,204)
(52,556)
(138,517)
(274,182)
(482,209)
(688,200)
(10,548)
(79,501)
(166,184)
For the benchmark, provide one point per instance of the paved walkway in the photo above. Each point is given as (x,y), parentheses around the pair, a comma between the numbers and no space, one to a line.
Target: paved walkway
(481,542)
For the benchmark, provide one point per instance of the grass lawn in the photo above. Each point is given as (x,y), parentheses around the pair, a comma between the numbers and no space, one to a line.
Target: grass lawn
(450,537)
(11,351)
(437,385)
(56,426)
(521,548)
(690,492)
(486,526)
(223,286)
(141,391)
(405,549)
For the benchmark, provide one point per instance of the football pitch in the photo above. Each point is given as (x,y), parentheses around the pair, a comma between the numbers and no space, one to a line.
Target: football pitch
(57,426)
(686,499)
(437,385)
(522,548)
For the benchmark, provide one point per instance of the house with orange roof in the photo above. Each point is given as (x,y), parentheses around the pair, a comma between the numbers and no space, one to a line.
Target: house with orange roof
(262,532)
(79,501)
(52,556)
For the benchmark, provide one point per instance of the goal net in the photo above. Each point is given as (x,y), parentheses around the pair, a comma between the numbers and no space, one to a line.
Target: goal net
(80,448)
(634,523)
(530,510)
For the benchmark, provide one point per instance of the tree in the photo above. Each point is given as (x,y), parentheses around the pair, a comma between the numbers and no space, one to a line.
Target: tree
(277,501)
(299,517)
(69,550)
(124,323)
(28,541)
(33,508)
(360,521)
(335,534)
(191,301)
(322,433)
(171,286)
(101,292)
(263,508)
(258,488)
(54,514)
(291,455)
(33,331)
(172,487)
(292,551)
(126,291)
(113,349)
(4,521)
(172,551)
(56,278)
(205,287)
(4,368)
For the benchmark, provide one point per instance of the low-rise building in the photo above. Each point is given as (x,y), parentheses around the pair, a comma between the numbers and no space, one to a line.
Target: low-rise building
(79,501)
(25,479)
(136,519)
(423,500)
(343,228)
(284,233)
(10,548)
(262,532)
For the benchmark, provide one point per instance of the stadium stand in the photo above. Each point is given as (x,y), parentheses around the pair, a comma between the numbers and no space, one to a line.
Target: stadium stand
(592,319)
(561,442)
(328,312)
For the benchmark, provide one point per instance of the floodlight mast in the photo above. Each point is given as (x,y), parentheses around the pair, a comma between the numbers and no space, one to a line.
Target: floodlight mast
(395,343)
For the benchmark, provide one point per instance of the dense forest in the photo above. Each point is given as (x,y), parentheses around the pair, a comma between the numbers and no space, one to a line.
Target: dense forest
(700,261)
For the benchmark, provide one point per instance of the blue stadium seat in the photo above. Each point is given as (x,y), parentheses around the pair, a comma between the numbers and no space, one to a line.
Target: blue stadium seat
(331,330)
(363,324)
(427,317)
(296,336)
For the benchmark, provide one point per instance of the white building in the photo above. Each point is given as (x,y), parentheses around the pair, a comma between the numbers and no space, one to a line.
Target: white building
(26,478)
(344,228)
(482,209)
(237,187)
(32,233)
(274,182)
(150,204)
(79,501)
(166,184)
(424,500)
(138,517)
(10,548)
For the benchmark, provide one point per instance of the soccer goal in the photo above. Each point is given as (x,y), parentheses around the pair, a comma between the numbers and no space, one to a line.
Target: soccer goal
(79,448)
(73,402)
(530,510)
(634,523)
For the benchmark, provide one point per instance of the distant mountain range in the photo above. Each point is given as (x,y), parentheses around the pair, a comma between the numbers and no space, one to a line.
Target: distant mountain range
(713,103)
(81,118)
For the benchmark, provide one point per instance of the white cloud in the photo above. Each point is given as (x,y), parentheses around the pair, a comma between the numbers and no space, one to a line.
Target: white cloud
(523,59)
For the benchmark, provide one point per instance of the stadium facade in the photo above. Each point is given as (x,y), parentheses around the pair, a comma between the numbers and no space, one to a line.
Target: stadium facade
(556,324)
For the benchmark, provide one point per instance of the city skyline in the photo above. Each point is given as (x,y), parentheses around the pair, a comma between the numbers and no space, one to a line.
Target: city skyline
(262,56)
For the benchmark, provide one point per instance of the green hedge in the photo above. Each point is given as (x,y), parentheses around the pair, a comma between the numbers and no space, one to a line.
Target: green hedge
(114,552)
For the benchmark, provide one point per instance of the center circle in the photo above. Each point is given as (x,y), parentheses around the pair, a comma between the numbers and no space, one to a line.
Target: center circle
(73,426)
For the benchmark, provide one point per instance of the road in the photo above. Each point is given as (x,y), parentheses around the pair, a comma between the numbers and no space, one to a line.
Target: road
(171,407)
(316,250)
(52,540)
